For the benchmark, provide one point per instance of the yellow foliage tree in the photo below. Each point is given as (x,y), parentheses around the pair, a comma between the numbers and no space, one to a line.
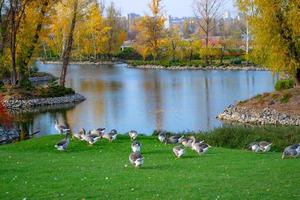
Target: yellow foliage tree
(24,24)
(173,43)
(151,30)
(275,27)
(116,34)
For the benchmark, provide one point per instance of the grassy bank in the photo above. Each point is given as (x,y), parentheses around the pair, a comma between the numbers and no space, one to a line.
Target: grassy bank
(239,137)
(35,170)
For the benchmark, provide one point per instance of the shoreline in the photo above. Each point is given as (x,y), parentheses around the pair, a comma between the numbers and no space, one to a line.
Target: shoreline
(25,105)
(229,68)
(266,116)
(84,62)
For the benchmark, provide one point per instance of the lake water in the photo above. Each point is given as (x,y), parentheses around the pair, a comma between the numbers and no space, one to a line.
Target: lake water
(145,100)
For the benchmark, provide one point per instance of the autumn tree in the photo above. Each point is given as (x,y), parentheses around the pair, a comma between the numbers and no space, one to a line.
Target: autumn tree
(19,38)
(116,34)
(151,29)
(207,11)
(90,36)
(95,31)
(275,27)
(189,47)
(4,20)
(173,42)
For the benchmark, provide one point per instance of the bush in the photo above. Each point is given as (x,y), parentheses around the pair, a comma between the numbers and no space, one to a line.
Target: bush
(26,84)
(286,98)
(236,61)
(284,84)
(129,54)
(55,90)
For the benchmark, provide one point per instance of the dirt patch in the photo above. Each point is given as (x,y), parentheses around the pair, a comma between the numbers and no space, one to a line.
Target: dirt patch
(287,102)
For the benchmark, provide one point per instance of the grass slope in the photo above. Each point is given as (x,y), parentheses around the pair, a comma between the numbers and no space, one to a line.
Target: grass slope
(35,170)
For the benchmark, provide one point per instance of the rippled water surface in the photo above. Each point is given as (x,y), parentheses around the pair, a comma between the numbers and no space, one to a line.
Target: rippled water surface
(144,100)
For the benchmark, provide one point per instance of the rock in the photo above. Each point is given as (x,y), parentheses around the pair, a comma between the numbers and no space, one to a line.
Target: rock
(8,135)
(15,104)
(266,116)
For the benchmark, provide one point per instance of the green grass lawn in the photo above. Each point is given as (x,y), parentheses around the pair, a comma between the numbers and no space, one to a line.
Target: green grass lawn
(35,170)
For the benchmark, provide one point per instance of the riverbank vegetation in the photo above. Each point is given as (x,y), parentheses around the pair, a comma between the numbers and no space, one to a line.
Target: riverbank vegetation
(34,169)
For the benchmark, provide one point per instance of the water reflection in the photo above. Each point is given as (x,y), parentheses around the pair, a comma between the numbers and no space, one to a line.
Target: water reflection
(125,99)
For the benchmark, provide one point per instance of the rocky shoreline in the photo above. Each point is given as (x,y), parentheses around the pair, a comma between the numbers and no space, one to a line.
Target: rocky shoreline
(15,104)
(267,116)
(8,135)
(236,68)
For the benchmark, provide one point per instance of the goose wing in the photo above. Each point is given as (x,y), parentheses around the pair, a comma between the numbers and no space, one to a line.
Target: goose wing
(62,142)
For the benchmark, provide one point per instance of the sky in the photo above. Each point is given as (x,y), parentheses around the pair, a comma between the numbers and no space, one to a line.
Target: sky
(176,8)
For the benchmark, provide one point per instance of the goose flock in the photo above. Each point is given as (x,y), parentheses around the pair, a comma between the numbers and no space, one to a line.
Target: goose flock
(182,142)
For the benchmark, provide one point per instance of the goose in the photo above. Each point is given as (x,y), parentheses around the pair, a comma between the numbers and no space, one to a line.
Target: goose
(254,146)
(133,134)
(60,128)
(79,134)
(111,136)
(98,131)
(264,146)
(178,151)
(291,151)
(173,139)
(91,139)
(136,146)
(200,148)
(136,159)
(162,137)
(186,142)
(195,141)
(181,139)
(63,144)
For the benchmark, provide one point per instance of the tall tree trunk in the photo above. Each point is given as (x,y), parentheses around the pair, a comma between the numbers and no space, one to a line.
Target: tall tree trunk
(298,77)
(13,37)
(206,46)
(2,29)
(68,49)
(29,53)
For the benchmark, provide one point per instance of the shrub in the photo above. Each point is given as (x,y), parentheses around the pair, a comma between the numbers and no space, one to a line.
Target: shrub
(5,117)
(1,85)
(284,84)
(26,84)
(55,90)
(129,54)
(286,98)
(236,61)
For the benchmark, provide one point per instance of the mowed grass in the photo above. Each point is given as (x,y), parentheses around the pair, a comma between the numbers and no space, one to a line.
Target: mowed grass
(35,170)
